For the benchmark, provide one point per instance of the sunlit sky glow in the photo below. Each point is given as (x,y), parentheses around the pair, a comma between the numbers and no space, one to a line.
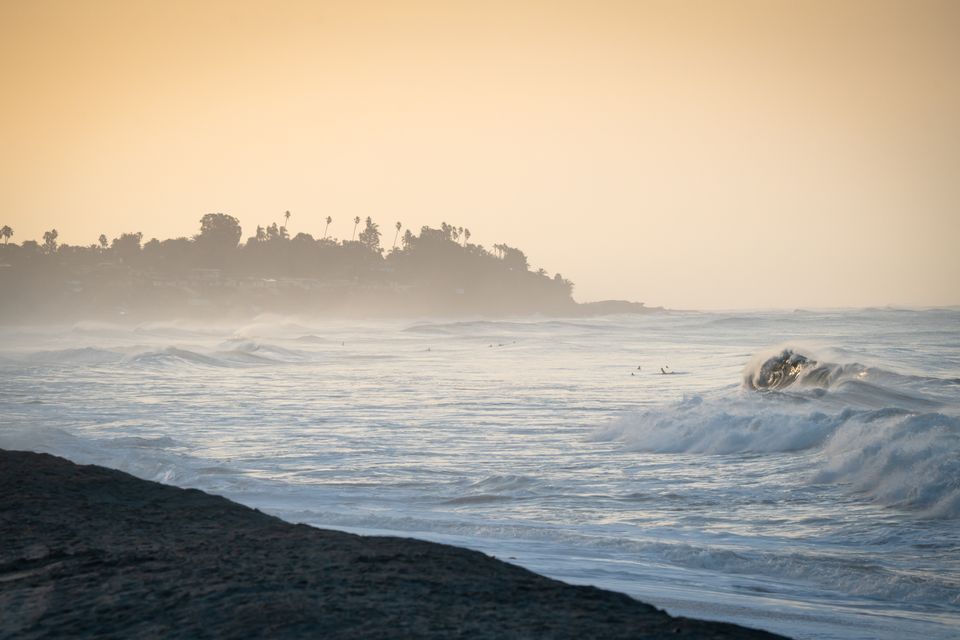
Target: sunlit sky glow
(687,154)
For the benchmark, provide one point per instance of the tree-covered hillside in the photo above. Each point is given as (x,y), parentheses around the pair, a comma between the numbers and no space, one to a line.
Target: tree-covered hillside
(433,271)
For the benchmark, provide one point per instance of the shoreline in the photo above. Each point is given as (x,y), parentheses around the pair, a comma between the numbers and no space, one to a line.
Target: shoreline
(97,552)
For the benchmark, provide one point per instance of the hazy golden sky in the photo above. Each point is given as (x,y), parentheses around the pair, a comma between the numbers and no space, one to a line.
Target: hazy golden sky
(688,154)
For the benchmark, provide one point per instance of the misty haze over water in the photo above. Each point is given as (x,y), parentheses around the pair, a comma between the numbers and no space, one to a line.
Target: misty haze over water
(624,451)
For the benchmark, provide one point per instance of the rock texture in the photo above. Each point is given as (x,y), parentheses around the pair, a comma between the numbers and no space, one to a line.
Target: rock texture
(89,551)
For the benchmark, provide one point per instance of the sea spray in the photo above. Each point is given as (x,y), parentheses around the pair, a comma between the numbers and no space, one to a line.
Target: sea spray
(894,455)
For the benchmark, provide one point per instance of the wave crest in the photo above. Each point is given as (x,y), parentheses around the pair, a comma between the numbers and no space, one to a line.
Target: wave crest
(877,433)
(892,456)
(236,353)
(790,366)
(899,459)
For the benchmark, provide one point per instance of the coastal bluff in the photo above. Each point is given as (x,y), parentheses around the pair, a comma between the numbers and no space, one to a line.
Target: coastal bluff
(94,552)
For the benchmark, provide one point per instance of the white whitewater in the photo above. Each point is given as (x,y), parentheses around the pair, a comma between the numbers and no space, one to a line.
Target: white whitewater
(798,472)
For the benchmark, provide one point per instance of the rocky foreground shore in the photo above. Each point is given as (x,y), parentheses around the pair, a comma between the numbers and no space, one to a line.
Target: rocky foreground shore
(89,551)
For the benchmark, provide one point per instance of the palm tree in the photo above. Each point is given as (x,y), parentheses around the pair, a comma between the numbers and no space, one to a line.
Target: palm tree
(6,232)
(286,219)
(397,234)
(329,220)
(356,221)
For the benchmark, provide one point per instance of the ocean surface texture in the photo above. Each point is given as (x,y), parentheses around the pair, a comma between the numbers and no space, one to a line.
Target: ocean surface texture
(797,472)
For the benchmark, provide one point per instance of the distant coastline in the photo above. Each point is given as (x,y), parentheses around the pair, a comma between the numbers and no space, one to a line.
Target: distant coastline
(213,274)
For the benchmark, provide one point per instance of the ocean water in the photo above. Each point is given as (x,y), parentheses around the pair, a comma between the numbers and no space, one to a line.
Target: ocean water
(826,504)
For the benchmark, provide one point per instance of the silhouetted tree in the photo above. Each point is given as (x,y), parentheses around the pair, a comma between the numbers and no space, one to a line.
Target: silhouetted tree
(127,246)
(329,220)
(6,232)
(286,219)
(275,232)
(449,232)
(104,243)
(219,232)
(370,236)
(513,258)
(397,234)
(50,240)
(466,236)
(356,221)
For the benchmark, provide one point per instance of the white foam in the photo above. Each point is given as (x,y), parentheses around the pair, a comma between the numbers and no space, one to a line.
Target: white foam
(734,425)
(903,460)
(894,456)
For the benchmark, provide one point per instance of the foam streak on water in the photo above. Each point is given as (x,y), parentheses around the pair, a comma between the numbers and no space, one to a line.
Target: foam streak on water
(798,472)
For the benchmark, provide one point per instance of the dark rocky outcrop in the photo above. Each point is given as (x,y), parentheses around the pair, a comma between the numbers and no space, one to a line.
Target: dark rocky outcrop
(612,307)
(89,551)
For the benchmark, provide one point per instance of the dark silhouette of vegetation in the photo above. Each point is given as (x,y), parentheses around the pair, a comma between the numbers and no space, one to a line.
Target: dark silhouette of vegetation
(126,248)
(370,236)
(219,232)
(437,270)
(50,241)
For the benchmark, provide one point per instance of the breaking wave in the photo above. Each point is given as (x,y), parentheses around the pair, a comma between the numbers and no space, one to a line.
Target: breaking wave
(79,356)
(892,445)
(237,353)
(899,459)
(260,350)
(174,356)
(791,366)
